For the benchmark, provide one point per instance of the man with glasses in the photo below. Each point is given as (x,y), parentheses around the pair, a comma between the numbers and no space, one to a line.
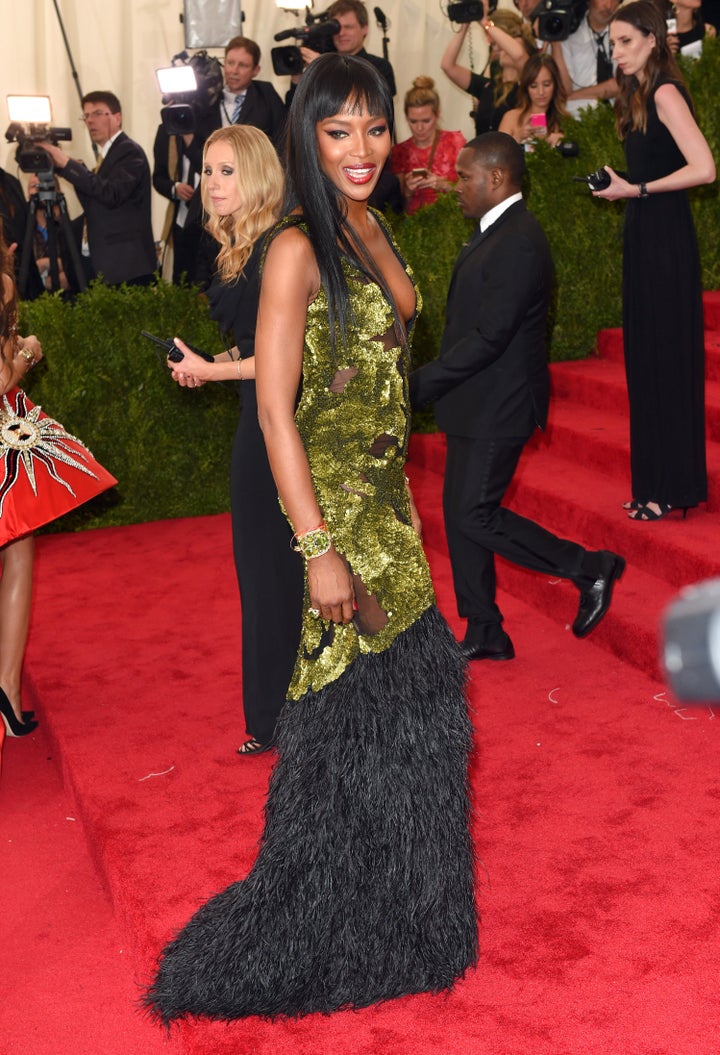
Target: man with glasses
(117,240)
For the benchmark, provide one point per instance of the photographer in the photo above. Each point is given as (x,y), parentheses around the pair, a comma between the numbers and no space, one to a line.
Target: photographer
(352,17)
(584,59)
(117,240)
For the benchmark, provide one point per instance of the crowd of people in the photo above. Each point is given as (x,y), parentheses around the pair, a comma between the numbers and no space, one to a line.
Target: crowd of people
(363,886)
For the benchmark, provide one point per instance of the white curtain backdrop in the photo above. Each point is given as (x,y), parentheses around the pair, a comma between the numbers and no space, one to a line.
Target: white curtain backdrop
(118,44)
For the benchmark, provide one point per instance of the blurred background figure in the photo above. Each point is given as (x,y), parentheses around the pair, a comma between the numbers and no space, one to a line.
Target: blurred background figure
(425,163)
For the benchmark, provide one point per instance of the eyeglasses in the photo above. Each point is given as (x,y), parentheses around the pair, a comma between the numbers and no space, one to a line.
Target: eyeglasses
(95,113)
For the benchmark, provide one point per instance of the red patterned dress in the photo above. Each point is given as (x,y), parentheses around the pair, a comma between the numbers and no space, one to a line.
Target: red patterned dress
(44,470)
(406,156)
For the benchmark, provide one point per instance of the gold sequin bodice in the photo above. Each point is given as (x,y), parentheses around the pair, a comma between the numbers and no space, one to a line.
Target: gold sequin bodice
(354,420)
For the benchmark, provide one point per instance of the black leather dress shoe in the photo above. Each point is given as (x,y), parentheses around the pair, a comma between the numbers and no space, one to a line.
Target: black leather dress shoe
(503,651)
(595,600)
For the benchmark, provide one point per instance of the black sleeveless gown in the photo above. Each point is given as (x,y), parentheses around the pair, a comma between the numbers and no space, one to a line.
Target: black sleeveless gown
(270,575)
(663,328)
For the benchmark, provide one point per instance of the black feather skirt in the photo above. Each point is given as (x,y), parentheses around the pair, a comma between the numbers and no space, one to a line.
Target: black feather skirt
(363,886)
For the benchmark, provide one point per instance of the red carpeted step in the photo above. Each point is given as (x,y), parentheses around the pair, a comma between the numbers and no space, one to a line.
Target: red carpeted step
(600,383)
(610,344)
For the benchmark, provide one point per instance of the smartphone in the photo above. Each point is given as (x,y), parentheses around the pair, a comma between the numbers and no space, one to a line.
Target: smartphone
(420,172)
(671,25)
(538,122)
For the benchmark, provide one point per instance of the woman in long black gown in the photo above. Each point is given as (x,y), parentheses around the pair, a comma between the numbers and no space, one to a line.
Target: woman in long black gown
(363,886)
(666,154)
(242,187)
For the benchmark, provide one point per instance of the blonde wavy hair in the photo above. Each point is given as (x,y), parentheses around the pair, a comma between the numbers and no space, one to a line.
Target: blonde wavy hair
(260,182)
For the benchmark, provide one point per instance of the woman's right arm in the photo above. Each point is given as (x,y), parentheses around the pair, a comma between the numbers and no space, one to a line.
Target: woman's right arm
(290,282)
(459,75)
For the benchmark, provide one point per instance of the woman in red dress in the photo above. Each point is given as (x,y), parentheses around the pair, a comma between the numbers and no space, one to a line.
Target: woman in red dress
(425,163)
(44,472)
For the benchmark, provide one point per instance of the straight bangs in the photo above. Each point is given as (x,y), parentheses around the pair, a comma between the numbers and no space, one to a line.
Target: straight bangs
(335,84)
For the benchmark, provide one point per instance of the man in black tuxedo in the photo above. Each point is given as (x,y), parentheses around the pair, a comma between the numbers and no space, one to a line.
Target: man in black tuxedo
(490,386)
(117,237)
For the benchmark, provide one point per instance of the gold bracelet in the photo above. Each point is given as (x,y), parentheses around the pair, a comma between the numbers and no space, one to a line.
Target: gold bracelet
(239,369)
(27,356)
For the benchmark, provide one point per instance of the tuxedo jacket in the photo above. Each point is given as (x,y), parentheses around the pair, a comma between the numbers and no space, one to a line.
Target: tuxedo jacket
(491,378)
(262,108)
(116,207)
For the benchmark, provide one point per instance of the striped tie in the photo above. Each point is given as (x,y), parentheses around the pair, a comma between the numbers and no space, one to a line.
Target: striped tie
(239,100)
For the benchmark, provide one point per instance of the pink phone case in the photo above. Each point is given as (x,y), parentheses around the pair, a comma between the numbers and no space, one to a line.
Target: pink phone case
(538,121)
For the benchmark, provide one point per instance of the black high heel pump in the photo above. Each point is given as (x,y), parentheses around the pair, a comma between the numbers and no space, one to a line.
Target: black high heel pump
(13,726)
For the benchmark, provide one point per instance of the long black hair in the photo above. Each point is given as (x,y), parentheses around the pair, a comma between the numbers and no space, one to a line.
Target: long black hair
(332,83)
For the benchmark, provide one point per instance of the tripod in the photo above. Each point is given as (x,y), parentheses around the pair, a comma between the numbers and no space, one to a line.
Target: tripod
(49,198)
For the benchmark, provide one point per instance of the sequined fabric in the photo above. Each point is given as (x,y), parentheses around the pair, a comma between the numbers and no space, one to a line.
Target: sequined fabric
(354,420)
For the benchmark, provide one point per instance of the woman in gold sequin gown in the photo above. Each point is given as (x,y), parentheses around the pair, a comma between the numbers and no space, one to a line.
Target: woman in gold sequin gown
(362,889)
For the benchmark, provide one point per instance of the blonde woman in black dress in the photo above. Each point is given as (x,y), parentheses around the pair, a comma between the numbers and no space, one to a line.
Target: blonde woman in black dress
(666,154)
(242,188)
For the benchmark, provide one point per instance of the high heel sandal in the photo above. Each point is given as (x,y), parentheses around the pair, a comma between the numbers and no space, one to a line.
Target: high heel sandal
(645,514)
(633,504)
(12,724)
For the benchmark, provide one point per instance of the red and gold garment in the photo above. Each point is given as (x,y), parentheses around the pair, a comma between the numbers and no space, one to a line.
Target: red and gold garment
(44,470)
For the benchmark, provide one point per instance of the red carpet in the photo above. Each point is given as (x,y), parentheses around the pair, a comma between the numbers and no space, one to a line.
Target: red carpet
(596,795)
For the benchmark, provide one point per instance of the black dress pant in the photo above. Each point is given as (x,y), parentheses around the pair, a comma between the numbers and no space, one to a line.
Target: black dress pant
(477,475)
(270,576)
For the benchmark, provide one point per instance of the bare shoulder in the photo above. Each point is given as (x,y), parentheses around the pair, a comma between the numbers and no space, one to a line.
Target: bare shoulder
(291,265)
(670,100)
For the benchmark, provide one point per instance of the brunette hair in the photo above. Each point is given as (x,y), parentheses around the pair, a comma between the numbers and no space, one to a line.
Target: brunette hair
(8,303)
(422,93)
(514,26)
(259,179)
(632,101)
(556,107)
(108,99)
(332,84)
(246,44)
(349,7)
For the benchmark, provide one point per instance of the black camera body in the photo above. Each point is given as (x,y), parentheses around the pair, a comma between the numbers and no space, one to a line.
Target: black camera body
(317,36)
(29,156)
(469,11)
(556,20)
(183,113)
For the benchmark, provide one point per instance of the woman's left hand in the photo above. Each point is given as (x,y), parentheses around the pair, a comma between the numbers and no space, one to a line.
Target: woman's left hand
(619,187)
(191,371)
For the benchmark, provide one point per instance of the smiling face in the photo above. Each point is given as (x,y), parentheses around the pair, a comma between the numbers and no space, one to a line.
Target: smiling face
(631,48)
(352,149)
(541,90)
(220,179)
(422,121)
(240,69)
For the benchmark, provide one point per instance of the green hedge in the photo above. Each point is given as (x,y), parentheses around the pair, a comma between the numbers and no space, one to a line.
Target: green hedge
(169,447)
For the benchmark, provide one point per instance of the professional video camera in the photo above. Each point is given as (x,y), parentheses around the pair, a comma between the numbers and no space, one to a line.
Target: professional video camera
(30,117)
(557,19)
(190,87)
(317,35)
(469,11)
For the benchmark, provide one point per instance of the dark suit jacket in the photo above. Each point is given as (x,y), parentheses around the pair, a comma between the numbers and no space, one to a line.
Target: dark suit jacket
(116,205)
(164,180)
(491,378)
(262,108)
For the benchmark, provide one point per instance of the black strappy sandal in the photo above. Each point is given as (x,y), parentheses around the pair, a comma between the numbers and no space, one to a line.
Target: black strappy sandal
(254,747)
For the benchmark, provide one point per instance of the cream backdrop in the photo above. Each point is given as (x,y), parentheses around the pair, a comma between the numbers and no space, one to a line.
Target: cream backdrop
(118,45)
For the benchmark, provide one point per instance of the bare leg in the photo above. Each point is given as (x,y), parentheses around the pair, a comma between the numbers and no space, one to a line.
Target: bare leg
(15,597)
